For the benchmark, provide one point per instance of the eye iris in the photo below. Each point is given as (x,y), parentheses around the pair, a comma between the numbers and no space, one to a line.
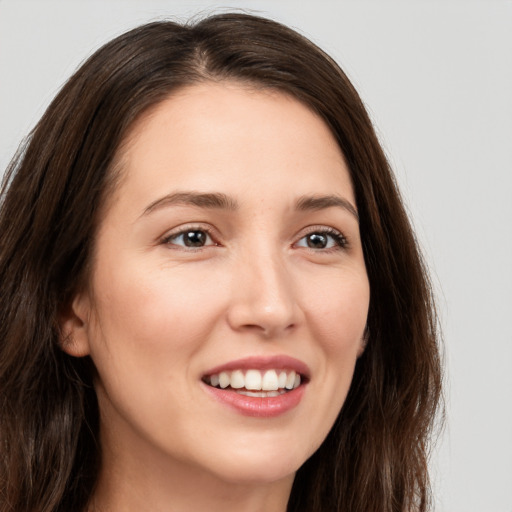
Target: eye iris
(317,241)
(194,238)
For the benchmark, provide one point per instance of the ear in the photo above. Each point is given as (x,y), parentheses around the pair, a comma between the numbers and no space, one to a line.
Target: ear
(74,326)
(363,342)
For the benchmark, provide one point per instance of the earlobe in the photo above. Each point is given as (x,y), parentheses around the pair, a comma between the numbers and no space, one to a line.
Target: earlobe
(74,327)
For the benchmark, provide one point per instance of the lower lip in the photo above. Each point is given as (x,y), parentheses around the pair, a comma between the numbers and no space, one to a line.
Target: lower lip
(261,407)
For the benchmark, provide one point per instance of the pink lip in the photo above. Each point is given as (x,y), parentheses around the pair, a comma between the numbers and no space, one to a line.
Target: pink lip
(281,362)
(262,407)
(268,407)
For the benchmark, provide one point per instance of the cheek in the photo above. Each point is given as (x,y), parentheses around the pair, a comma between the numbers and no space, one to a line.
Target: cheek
(338,317)
(154,308)
(339,312)
(147,325)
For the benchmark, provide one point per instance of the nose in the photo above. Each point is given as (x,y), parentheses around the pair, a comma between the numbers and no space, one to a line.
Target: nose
(264,298)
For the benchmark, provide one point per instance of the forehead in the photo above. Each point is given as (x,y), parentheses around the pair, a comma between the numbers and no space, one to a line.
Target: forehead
(232,138)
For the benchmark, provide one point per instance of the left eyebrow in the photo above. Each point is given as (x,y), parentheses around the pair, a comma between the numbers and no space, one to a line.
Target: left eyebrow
(306,203)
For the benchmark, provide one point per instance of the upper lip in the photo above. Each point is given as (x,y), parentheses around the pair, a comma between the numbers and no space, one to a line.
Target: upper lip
(280,362)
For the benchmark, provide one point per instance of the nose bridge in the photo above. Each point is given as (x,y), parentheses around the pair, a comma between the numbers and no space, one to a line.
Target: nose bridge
(263,296)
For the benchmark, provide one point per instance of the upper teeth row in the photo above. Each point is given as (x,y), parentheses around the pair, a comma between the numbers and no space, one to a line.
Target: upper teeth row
(269,380)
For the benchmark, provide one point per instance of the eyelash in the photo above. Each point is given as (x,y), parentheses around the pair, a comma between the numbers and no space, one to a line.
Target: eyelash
(169,239)
(339,239)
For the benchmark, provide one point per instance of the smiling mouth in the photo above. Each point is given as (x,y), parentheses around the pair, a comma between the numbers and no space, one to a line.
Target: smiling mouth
(256,383)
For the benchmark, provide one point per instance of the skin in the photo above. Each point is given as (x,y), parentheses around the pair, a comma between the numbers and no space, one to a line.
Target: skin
(158,315)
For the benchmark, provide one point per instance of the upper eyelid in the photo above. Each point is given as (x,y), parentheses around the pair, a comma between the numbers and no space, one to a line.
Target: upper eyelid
(320,229)
(190,226)
(180,230)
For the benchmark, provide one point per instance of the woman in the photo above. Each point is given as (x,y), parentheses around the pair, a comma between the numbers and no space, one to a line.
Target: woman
(211,295)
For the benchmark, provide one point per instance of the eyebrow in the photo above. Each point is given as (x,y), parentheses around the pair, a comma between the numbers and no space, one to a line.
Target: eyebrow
(306,203)
(214,200)
(220,201)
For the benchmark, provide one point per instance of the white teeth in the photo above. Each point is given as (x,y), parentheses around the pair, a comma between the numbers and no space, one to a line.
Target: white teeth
(237,380)
(252,380)
(290,380)
(262,394)
(224,379)
(267,383)
(270,381)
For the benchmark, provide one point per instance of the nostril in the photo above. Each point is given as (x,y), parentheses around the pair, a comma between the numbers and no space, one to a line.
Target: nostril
(263,295)
(267,330)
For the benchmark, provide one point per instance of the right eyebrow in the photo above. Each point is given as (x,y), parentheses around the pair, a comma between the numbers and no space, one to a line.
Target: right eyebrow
(211,200)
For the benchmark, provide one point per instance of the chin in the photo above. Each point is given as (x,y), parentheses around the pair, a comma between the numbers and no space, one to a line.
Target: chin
(262,466)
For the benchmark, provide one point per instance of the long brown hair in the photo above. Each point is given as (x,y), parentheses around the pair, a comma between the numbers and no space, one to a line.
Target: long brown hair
(375,457)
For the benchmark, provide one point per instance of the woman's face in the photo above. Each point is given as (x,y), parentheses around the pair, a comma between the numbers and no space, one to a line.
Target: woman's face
(228,261)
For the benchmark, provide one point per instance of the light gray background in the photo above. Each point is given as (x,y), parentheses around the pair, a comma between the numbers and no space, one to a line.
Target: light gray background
(437,78)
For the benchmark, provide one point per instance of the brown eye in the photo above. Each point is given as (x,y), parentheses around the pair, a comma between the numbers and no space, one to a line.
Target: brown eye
(191,238)
(323,239)
(317,241)
(194,238)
